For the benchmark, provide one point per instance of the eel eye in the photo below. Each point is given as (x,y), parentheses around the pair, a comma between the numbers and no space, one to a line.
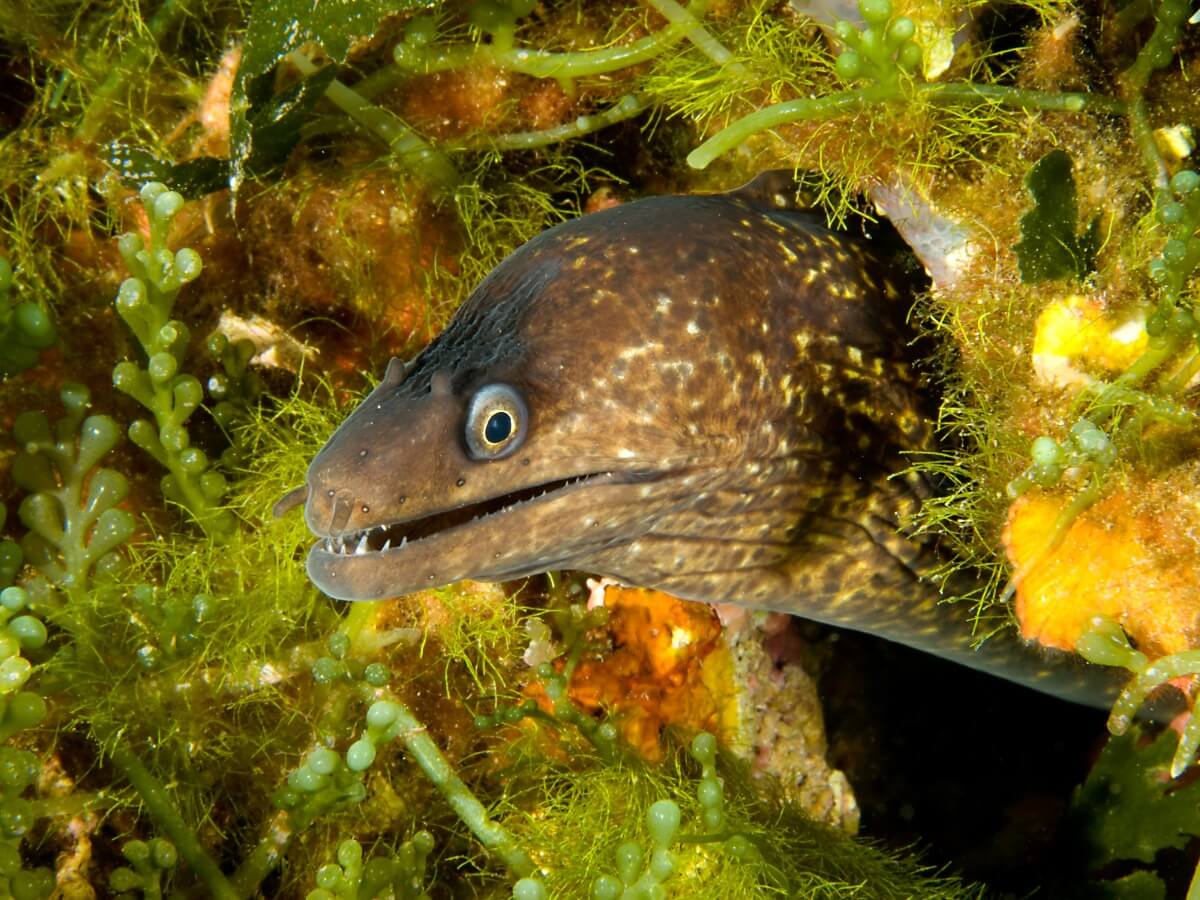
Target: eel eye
(496,422)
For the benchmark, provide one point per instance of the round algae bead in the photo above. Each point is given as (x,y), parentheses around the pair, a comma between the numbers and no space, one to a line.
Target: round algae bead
(193,460)
(326,670)
(163,853)
(662,821)
(306,780)
(1172,213)
(360,755)
(18,769)
(188,393)
(162,366)
(126,377)
(910,57)
(323,761)
(709,792)
(1046,452)
(875,12)
(188,264)
(166,204)
(349,853)
(137,852)
(606,887)
(338,644)
(33,884)
(382,713)
(871,41)
(376,674)
(1185,182)
(151,190)
(529,889)
(14,672)
(331,878)
(849,65)
(130,244)
(423,842)
(739,847)
(29,631)
(629,861)
(14,598)
(901,30)
(131,295)
(108,487)
(1174,251)
(33,322)
(704,748)
(174,437)
(16,815)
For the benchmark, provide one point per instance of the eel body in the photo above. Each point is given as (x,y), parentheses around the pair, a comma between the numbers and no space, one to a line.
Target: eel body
(708,395)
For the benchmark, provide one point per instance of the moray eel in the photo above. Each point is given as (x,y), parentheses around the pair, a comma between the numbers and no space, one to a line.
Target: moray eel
(707,395)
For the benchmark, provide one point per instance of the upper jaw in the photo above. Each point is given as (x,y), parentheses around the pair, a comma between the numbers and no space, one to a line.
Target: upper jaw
(383,536)
(546,526)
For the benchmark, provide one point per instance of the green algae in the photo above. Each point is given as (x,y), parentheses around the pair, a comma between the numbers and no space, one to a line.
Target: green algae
(209,673)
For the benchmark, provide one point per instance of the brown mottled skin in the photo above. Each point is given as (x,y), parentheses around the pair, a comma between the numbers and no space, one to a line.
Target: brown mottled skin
(717,393)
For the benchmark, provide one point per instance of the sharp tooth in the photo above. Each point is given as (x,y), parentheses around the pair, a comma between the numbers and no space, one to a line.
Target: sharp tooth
(361,549)
(386,545)
(328,545)
(337,543)
(403,540)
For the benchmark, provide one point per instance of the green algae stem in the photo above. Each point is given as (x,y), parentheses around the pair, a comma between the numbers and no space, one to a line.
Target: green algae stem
(401,140)
(415,57)
(624,109)
(390,718)
(162,809)
(831,105)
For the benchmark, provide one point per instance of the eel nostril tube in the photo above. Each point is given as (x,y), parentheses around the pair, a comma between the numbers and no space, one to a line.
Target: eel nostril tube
(343,505)
(289,501)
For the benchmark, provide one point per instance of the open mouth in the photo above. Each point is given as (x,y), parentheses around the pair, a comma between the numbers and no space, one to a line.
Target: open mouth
(381,538)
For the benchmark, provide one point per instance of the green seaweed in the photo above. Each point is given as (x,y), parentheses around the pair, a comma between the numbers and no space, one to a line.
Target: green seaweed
(400,875)
(145,303)
(205,697)
(1049,246)
(25,329)
(1130,809)
(148,863)
(266,126)
(72,508)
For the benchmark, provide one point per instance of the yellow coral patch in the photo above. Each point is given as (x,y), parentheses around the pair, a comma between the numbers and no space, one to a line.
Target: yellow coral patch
(1122,558)
(1077,334)
(658,672)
